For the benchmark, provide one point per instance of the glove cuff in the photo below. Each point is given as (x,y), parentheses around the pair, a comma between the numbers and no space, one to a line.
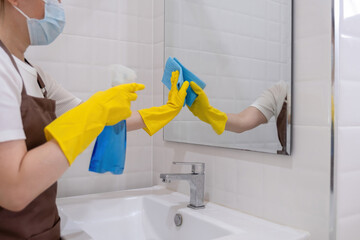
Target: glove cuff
(76,129)
(218,120)
(156,118)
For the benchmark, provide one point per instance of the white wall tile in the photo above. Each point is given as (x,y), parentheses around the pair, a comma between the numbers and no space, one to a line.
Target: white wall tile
(349,138)
(348,121)
(106,6)
(104,24)
(348,93)
(309,65)
(305,111)
(145,9)
(78,19)
(350,54)
(225,173)
(129,7)
(348,228)
(78,50)
(250,179)
(348,196)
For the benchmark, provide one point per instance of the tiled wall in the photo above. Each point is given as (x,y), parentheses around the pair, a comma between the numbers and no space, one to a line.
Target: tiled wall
(348,121)
(239,48)
(291,190)
(99,33)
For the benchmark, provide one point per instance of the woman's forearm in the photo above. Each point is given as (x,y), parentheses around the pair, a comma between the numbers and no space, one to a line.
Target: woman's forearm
(248,119)
(134,122)
(24,175)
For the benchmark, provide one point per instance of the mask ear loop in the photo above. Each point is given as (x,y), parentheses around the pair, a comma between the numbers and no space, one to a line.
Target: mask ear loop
(26,16)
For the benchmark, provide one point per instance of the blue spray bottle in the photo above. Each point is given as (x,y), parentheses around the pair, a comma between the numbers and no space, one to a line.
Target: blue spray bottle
(109,152)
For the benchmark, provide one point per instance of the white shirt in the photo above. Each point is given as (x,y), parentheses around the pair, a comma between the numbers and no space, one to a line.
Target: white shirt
(271,100)
(11,127)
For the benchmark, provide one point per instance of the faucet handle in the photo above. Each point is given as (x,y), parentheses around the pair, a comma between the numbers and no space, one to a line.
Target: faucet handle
(196,167)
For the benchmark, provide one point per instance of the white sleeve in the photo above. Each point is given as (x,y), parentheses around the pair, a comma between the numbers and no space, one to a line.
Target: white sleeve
(271,100)
(11,127)
(64,99)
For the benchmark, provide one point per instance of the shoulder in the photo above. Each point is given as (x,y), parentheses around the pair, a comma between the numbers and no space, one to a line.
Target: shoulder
(9,76)
(279,87)
(272,99)
(279,91)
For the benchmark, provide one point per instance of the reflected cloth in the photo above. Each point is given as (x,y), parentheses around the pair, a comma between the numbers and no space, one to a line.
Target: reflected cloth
(172,64)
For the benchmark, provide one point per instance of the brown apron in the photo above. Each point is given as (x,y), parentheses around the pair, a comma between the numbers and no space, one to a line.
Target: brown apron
(281,124)
(40,219)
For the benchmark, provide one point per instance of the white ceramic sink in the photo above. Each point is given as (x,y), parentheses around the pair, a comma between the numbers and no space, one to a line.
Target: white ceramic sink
(148,214)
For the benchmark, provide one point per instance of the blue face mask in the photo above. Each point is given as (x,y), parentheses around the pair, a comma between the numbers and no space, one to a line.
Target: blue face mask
(45,31)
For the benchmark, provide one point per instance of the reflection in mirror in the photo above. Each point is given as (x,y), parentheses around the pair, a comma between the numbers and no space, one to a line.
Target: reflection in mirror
(242,50)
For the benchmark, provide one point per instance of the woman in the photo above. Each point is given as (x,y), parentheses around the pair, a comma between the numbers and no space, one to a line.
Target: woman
(273,102)
(36,149)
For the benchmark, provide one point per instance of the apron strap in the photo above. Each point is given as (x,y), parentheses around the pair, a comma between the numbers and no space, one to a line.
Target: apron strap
(42,85)
(40,82)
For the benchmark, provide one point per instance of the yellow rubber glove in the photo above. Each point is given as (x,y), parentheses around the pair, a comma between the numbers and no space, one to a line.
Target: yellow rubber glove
(77,128)
(205,112)
(156,118)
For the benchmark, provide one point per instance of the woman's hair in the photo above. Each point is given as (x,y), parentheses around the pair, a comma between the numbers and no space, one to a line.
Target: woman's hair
(2,8)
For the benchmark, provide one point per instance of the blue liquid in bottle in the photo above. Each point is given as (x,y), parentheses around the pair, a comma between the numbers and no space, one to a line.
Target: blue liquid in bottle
(110,150)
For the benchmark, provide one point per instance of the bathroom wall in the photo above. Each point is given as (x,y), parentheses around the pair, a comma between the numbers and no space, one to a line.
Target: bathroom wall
(290,190)
(348,120)
(99,33)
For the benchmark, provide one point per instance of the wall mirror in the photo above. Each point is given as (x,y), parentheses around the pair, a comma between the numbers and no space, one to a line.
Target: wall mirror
(242,50)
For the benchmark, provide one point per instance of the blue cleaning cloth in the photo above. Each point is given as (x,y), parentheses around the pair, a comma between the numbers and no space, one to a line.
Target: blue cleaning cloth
(110,150)
(172,64)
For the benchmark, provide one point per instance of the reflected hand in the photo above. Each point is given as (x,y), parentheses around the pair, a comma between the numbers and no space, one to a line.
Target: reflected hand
(156,118)
(205,112)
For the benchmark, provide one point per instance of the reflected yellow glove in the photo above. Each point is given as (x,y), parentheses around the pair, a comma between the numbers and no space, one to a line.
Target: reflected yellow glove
(156,118)
(205,112)
(77,128)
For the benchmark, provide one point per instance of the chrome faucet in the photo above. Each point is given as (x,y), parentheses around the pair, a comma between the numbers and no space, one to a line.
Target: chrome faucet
(196,180)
